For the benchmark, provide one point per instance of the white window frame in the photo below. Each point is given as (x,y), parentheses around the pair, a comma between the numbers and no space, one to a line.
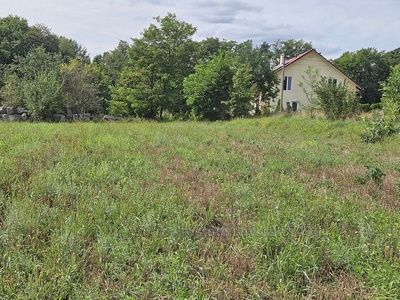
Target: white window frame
(287,86)
(332,81)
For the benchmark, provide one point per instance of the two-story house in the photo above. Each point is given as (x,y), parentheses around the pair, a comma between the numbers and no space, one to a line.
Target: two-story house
(292,71)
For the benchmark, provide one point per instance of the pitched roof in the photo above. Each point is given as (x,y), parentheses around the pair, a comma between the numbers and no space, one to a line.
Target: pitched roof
(296,58)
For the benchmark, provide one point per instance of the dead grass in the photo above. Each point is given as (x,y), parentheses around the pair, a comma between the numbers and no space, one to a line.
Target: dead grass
(342,286)
(196,184)
(341,180)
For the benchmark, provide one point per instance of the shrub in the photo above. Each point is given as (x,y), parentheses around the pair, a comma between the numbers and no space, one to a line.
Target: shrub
(377,128)
(372,173)
(366,107)
(336,101)
(376,106)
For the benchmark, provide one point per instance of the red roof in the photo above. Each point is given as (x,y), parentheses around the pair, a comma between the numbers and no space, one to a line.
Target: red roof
(292,60)
(296,58)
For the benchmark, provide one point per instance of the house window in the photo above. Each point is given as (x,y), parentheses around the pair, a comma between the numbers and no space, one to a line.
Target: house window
(295,106)
(287,84)
(332,81)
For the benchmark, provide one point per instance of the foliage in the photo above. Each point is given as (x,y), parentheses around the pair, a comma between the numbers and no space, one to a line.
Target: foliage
(384,124)
(290,48)
(13,31)
(121,102)
(258,60)
(372,173)
(205,50)
(309,85)
(40,35)
(35,82)
(80,94)
(113,62)
(70,49)
(220,89)
(368,68)
(159,61)
(377,128)
(336,101)
(391,94)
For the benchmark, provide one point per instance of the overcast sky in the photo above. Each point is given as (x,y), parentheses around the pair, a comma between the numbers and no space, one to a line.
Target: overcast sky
(333,27)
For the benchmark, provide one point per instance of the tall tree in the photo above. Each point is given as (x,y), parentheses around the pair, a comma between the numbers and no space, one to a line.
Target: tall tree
(13,38)
(159,61)
(70,49)
(39,35)
(290,48)
(368,68)
(113,62)
(80,93)
(258,59)
(220,89)
(393,57)
(210,47)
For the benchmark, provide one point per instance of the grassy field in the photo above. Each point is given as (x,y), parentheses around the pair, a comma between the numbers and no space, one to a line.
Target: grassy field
(275,208)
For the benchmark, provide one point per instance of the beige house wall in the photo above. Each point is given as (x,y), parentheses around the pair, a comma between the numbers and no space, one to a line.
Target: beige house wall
(297,69)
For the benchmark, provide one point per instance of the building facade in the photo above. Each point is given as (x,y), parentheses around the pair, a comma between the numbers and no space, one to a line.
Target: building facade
(292,71)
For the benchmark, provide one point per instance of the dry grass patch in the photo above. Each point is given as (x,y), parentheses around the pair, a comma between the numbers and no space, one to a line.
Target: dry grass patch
(196,184)
(342,181)
(342,286)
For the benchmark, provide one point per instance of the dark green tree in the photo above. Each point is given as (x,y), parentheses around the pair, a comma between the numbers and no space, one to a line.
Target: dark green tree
(258,59)
(393,57)
(210,47)
(220,89)
(80,93)
(159,61)
(13,38)
(70,49)
(113,62)
(368,68)
(290,48)
(39,35)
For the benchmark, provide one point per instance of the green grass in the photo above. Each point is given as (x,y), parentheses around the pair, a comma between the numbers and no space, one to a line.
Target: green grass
(248,209)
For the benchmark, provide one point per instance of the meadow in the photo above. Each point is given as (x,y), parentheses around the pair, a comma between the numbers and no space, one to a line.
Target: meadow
(272,208)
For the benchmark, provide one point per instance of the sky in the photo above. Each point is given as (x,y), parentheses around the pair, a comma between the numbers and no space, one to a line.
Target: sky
(333,27)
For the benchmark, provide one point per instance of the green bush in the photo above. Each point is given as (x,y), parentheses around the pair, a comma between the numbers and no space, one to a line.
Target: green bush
(377,128)
(366,107)
(376,106)
(336,101)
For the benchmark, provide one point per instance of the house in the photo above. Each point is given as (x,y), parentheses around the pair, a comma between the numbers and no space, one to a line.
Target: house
(292,72)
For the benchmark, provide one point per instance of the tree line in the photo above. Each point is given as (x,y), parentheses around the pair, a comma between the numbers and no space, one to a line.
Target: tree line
(164,74)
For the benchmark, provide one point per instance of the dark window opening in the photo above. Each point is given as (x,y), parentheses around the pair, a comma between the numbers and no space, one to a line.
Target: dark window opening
(287,84)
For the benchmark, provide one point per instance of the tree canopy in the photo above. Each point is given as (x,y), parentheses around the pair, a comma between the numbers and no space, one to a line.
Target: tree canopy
(162,74)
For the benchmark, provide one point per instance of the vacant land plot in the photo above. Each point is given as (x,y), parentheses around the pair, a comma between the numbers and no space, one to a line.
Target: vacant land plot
(276,208)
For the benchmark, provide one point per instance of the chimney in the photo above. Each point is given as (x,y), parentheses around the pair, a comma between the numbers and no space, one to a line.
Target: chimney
(282,59)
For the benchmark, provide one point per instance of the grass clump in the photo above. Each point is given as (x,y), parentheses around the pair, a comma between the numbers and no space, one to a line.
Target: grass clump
(247,209)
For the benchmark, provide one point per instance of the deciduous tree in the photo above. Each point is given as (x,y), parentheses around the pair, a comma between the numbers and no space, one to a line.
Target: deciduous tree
(368,68)
(35,82)
(80,93)
(220,89)
(159,61)
(13,38)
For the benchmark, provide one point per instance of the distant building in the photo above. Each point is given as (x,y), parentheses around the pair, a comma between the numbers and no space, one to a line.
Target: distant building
(294,68)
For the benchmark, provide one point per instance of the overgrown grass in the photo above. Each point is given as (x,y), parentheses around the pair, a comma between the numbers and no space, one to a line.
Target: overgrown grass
(248,209)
